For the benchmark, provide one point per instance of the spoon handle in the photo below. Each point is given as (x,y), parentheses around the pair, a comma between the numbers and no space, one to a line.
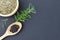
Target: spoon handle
(3,36)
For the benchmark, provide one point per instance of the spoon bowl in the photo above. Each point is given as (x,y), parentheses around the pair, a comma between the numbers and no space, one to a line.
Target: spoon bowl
(15,23)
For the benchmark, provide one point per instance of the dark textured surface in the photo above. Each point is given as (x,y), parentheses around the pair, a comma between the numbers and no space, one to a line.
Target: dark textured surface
(44,25)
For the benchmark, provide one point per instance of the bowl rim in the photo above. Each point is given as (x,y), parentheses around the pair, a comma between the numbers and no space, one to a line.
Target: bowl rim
(13,12)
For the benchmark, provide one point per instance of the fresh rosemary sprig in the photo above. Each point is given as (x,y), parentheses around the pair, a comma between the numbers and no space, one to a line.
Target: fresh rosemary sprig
(24,15)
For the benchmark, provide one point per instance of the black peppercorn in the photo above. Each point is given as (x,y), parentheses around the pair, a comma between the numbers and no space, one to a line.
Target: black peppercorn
(14,28)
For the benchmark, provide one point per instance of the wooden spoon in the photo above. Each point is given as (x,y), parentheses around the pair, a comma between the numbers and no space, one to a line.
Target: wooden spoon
(9,33)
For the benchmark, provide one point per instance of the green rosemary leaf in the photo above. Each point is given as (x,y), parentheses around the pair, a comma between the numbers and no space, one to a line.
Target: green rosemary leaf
(25,14)
(15,17)
(4,22)
(3,25)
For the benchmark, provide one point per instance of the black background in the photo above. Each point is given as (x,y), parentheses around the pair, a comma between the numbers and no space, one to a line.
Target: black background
(44,25)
